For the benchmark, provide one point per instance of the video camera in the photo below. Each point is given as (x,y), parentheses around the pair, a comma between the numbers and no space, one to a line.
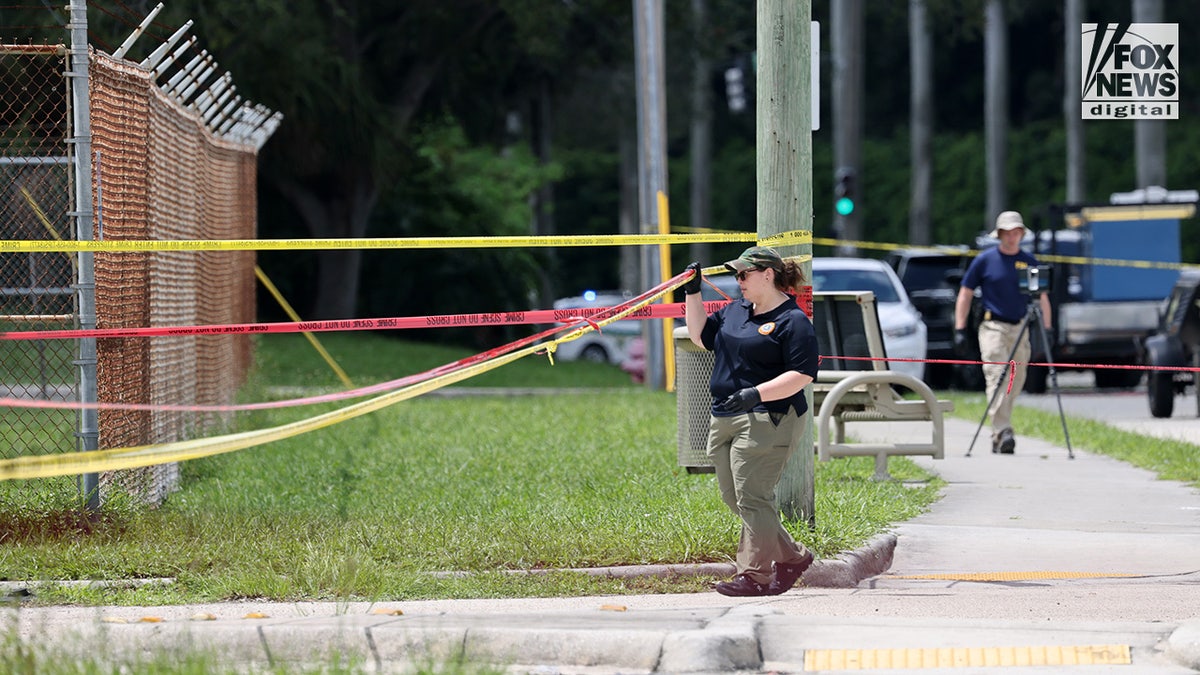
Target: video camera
(1037,279)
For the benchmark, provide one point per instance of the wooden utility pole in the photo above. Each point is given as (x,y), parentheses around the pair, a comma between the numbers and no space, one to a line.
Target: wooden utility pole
(920,111)
(700,138)
(784,172)
(1072,95)
(995,68)
(652,170)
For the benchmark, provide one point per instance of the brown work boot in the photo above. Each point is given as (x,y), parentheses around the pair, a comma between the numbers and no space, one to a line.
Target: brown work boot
(787,575)
(741,586)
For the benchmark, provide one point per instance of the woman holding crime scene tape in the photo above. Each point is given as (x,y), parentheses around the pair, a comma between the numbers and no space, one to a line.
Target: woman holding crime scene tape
(766,353)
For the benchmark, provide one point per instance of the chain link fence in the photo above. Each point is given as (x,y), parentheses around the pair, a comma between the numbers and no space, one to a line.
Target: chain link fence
(36,289)
(162,168)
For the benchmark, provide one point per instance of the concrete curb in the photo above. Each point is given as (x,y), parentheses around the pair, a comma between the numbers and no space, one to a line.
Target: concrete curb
(688,641)
(1184,644)
(728,643)
(844,571)
(847,569)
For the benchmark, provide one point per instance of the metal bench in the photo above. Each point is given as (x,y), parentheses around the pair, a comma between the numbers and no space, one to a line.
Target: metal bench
(864,391)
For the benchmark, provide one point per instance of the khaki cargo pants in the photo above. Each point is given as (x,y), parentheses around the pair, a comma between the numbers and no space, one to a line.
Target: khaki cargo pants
(749,452)
(996,340)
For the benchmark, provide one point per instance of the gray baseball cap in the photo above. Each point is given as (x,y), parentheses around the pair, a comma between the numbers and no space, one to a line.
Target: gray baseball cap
(1008,220)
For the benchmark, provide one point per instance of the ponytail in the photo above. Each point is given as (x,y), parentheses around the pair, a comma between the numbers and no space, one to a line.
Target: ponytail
(790,278)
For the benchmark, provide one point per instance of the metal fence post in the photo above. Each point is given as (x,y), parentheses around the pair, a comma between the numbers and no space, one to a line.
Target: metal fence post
(85,280)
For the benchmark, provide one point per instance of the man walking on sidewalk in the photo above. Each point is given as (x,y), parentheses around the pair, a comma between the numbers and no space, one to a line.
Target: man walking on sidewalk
(997,273)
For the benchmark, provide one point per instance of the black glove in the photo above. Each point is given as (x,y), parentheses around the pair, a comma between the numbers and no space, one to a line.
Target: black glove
(740,401)
(960,341)
(692,286)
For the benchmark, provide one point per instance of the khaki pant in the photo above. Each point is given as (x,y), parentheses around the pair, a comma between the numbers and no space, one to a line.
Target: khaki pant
(749,452)
(996,340)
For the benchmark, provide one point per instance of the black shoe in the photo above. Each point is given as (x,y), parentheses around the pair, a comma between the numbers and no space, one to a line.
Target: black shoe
(1007,443)
(741,586)
(786,575)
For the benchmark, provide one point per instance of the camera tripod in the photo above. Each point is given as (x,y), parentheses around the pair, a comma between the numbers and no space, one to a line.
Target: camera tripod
(1033,316)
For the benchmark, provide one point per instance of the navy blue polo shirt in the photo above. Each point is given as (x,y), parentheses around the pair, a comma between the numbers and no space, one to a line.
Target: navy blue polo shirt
(752,349)
(998,275)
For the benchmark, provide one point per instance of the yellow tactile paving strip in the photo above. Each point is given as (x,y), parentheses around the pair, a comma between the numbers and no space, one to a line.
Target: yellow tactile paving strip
(966,657)
(1012,576)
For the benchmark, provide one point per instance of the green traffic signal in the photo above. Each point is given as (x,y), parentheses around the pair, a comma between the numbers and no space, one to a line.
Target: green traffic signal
(843,191)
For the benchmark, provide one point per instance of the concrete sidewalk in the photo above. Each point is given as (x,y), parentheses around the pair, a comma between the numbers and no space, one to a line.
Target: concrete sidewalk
(1029,556)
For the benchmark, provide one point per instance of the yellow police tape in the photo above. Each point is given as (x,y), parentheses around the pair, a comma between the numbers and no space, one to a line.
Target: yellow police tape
(36,246)
(44,466)
(1042,257)
(95,461)
(794,237)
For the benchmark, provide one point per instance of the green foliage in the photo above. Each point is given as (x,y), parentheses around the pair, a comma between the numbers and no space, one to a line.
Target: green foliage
(1037,179)
(476,189)
(458,189)
(588,204)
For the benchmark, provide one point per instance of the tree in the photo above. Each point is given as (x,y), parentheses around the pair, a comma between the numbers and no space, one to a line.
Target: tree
(1072,101)
(1150,136)
(996,107)
(700,138)
(921,125)
(353,79)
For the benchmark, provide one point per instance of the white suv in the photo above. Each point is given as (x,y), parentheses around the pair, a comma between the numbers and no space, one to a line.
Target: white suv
(904,332)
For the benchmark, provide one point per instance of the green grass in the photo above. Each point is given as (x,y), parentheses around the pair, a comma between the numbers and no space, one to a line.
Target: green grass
(288,360)
(374,508)
(29,431)
(33,363)
(1169,459)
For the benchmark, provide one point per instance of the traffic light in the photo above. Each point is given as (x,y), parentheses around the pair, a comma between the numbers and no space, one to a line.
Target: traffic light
(843,191)
(735,89)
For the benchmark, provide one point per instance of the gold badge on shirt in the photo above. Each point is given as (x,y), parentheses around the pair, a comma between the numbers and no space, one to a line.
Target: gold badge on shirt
(767,328)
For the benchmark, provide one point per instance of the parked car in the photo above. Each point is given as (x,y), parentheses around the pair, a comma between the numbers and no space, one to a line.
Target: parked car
(608,345)
(932,278)
(1176,345)
(904,332)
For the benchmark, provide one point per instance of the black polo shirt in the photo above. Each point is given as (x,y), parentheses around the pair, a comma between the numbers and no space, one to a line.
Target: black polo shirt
(752,349)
